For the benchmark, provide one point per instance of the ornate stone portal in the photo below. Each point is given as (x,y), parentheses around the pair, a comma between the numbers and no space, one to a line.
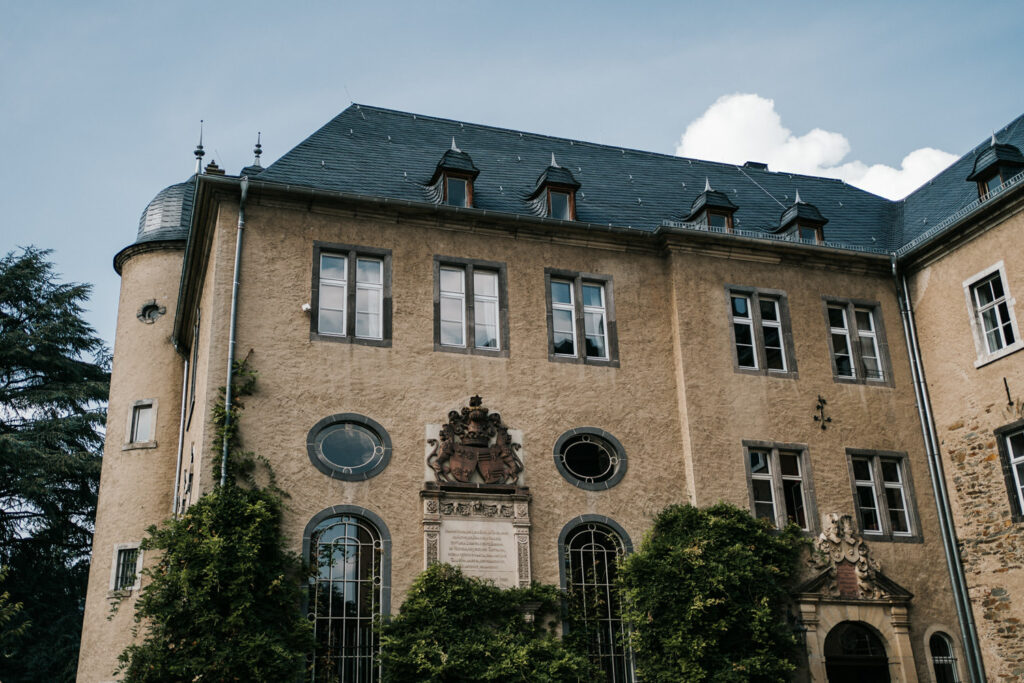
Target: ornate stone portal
(476,511)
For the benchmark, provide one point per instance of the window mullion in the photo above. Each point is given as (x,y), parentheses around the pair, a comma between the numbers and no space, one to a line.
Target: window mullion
(470,307)
(880,498)
(777,490)
(579,318)
(350,295)
(758,332)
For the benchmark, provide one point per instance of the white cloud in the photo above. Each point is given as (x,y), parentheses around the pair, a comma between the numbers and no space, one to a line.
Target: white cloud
(746,127)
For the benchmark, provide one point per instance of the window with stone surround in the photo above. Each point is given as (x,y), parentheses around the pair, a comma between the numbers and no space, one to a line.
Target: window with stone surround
(1011,451)
(856,341)
(883,495)
(470,306)
(126,569)
(760,332)
(141,427)
(351,294)
(944,667)
(779,483)
(581,318)
(993,320)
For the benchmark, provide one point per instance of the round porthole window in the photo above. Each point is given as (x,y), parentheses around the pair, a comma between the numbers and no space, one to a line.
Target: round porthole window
(590,458)
(349,446)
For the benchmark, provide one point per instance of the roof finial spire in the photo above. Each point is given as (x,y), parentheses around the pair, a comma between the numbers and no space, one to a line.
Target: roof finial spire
(707,184)
(455,148)
(553,162)
(798,200)
(258,149)
(199,149)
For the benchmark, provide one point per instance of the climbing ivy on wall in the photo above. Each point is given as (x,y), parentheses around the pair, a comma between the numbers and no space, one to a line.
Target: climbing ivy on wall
(223,601)
(706,597)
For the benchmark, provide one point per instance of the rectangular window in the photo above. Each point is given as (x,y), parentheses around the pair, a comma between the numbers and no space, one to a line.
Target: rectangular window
(883,494)
(993,320)
(581,318)
(124,575)
(559,205)
(455,192)
(193,368)
(761,333)
(779,484)
(856,341)
(470,313)
(142,423)
(351,294)
(1011,451)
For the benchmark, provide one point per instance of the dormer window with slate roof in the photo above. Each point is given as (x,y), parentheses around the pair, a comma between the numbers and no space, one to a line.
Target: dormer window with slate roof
(995,165)
(555,193)
(713,209)
(804,221)
(452,183)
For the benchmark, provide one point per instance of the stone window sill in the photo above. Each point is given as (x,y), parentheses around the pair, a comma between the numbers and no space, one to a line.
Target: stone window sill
(1001,353)
(138,445)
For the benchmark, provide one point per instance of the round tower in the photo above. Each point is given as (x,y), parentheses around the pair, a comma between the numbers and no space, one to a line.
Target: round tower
(141,454)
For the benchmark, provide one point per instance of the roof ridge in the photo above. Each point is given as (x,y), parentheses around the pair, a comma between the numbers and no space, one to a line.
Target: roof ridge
(574,141)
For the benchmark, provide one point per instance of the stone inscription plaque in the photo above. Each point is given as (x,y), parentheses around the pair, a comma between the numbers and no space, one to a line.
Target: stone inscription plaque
(486,550)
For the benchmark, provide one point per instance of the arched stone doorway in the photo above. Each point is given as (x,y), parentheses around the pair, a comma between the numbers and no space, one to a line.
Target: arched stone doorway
(855,653)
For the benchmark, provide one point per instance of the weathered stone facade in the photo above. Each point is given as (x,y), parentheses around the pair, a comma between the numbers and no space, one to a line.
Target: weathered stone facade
(673,397)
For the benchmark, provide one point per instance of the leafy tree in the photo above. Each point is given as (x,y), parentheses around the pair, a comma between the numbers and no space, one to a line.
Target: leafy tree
(222,602)
(53,388)
(452,627)
(706,597)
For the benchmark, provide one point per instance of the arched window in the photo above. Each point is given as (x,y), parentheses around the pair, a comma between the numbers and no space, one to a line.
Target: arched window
(590,550)
(348,590)
(943,659)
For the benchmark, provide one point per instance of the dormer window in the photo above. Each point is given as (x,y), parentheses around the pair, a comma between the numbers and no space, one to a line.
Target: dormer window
(452,183)
(457,191)
(803,221)
(995,165)
(712,209)
(560,205)
(555,193)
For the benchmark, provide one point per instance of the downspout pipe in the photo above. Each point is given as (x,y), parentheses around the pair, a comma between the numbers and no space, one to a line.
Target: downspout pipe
(961,595)
(228,393)
(181,439)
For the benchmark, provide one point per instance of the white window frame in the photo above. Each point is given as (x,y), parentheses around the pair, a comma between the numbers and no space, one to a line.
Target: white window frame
(129,436)
(776,478)
(748,322)
(453,296)
(602,311)
(776,324)
(481,301)
(1014,459)
(376,289)
(118,547)
(334,282)
(571,308)
(878,486)
(986,356)
(844,331)
(869,338)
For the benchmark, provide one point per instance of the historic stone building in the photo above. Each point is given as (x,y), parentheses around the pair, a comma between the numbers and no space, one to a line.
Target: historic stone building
(510,351)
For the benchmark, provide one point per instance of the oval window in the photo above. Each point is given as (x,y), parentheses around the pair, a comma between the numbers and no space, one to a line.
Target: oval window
(349,446)
(590,458)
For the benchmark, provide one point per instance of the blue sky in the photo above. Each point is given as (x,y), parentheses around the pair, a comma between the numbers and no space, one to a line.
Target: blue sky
(100,102)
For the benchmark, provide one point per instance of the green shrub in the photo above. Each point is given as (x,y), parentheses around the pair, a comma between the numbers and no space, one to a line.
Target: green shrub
(452,627)
(706,597)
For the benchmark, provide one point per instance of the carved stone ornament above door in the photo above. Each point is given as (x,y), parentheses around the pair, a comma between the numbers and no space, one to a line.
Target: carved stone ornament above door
(846,568)
(475,447)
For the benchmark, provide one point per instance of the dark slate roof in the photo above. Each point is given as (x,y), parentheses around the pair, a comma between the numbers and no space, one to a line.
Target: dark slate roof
(457,160)
(169,215)
(803,212)
(251,171)
(949,191)
(555,175)
(995,155)
(711,199)
(385,153)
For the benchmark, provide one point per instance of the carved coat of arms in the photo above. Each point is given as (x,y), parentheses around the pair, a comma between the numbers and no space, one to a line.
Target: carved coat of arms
(475,441)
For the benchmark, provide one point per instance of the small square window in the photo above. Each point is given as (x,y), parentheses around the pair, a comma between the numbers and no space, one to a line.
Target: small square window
(883,495)
(993,320)
(127,566)
(581,318)
(470,315)
(351,297)
(761,333)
